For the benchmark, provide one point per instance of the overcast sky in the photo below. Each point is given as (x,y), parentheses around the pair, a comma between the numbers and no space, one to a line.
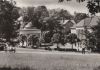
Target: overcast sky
(51,4)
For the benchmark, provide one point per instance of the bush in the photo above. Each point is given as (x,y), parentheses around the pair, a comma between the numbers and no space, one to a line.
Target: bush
(48,48)
(63,49)
(98,68)
(1,48)
(16,68)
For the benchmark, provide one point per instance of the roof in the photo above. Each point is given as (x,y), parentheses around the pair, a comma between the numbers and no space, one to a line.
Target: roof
(66,21)
(73,21)
(29,25)
(87,22)
(20,18)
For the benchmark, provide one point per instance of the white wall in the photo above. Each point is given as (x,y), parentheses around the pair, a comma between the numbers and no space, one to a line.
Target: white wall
(73,31)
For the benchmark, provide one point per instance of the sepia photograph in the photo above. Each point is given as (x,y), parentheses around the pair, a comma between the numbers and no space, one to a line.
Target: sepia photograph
(49,34)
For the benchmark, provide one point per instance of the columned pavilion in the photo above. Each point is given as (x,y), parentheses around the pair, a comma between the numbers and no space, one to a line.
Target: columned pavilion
(29,32)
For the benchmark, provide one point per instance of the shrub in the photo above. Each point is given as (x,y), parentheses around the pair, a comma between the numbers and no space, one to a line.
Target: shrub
(16,68)
(97,68)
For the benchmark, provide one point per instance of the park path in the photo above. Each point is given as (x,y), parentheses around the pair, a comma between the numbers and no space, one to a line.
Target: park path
(42,51)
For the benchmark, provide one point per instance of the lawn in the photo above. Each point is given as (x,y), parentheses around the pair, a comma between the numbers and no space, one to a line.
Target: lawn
(40,61)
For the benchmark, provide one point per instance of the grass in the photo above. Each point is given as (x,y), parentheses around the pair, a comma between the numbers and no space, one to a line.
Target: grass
(40,61)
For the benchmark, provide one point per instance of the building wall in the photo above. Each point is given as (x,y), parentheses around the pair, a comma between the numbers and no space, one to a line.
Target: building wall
(29,33)
(79,31)
(67,26)
(73,31)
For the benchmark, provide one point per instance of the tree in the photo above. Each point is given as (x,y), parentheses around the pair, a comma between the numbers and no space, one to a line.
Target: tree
(48,36)
(40,13)
(89,39)
(92,42)
(53,26)
(72,39)
(8,16)
(56,39)
(92,5)
(96,33)
(63,14)
(60,14)
(35,15)
(28,14)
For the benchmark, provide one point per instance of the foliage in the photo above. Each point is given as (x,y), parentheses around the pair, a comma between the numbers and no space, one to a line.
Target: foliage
(15,68)
(90,40)
(72,38)
(8,16)
(92,8)
(53,24)
(97,68)
(48,36)
(64,14)
(60,14)
(96,32)
(56,38)
(35,15)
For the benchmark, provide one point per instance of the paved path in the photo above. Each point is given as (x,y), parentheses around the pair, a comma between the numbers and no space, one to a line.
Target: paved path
(42,51)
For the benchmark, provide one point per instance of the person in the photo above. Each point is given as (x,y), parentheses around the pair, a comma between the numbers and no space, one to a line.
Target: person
(83,50)
(6,47)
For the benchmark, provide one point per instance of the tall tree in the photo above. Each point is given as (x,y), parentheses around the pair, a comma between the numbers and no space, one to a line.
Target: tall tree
(40,13)
(8,16)
(72,39)
(64,14)
(56,39)
(96,32)
(52,25)
(61,14)
(28,14)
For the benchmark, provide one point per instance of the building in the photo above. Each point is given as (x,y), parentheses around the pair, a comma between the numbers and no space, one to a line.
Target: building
(87,24)
(67,24)
(28,31)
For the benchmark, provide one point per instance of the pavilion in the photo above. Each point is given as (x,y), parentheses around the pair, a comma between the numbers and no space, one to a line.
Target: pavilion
(29,31)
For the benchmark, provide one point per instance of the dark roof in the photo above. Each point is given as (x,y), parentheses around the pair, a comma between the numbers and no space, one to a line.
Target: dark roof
(87,22)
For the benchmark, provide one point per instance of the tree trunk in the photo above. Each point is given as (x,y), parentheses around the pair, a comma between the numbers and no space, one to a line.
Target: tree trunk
(22,43)
(72,46)
(57,46)
(78,46)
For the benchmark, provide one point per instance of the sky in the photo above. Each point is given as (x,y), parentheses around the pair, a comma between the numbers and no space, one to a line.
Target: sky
(53,4)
